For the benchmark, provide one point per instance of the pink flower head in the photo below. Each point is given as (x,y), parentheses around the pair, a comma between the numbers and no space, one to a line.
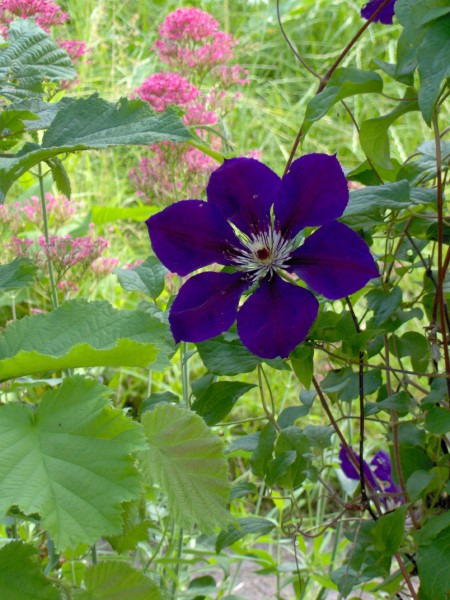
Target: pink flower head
(163,89)
(76,49)
(104,266)
(188,24)
(45,12)
(166,88)
(191,39)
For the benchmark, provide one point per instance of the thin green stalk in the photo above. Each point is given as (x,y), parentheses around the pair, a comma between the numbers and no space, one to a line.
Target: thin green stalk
(51,274)
(94,554)
(184,373)
(173,589)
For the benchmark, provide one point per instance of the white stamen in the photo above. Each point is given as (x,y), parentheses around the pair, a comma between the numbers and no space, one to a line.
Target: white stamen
(264,253)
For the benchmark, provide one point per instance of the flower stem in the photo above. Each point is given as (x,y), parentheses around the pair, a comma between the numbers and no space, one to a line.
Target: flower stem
(51,274)
(441,272)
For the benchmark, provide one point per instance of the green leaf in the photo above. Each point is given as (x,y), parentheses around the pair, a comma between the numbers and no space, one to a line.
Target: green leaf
(277,468)
(12,126)
(69,461)
(388,531)
(262,453)
(434,65)
(223,357)
(111,214)
(433,563)
(134,529)
(391,70)
(302,361)
(438,420)
(114,580)
(415,17)
(367,205)
(319,436)
(400,402)
(17,274)
(83,334)
(186,459)
(60,177)
(218,400)
(147,278)
(373,133)
(383,304)
(32,56)
(345,82)
(93,123)
(417,483)
(294,439)
(20,576)
(42,112)
(245,526)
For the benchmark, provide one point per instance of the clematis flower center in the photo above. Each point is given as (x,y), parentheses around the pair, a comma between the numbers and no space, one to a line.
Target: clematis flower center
(263,253)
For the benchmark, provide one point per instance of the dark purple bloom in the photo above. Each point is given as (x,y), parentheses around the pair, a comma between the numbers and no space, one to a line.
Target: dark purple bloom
(250,224)
(384,16)
(378,473)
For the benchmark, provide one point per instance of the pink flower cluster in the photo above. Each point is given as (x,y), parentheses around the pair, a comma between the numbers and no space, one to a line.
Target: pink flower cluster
(45,12)
(66,251)
(191,39)
(196,49)
(104,265)
(166,88)
(59,209)
(150,177)
(76,49)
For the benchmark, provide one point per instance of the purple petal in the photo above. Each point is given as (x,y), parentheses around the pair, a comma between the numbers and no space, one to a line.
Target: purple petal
(384,16)
(382,468)
(206,306)
(313,192)
(349,469)
(191,234)
(276,318)
(244,189)
(334,261)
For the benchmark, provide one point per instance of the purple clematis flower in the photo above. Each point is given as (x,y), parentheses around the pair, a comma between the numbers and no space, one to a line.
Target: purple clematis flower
(385,16)
(251,223)
(378,473)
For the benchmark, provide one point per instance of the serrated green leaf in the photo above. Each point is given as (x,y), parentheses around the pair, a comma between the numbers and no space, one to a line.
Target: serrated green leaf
(94,123)
(218,399)
(17,274)
(433,58)
(222,356)
(245,526)
(373,133)
(114,580)
(83,334)
(20,576)
(134,529)
(147,278)
(32,56)
(43,112)
(345,82)
(69,460)
(186,459)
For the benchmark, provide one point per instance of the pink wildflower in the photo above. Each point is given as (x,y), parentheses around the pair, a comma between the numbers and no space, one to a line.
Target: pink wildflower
(104,266)
(20,246)
(191,39)
(66,252)
(230,75)
(45,12)
(59,209)
(76,49)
